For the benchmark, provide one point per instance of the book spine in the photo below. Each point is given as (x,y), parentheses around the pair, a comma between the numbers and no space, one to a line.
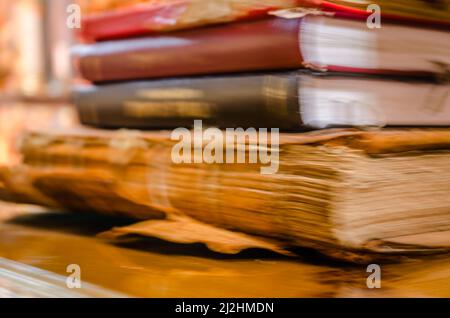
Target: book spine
(270,44)
(258,101)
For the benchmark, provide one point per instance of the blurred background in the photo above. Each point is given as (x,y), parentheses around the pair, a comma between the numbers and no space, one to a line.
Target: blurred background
(35,69)
(35,66)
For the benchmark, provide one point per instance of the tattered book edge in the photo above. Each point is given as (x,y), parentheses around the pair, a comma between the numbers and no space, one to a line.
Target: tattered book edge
(184,230)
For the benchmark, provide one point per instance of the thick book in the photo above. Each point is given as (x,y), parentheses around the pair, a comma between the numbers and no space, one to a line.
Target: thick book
(317,42)
(287,101)
(356,195)
(119,19)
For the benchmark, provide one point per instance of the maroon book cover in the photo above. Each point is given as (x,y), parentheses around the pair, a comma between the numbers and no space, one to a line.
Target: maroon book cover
(251,46)
(324,43)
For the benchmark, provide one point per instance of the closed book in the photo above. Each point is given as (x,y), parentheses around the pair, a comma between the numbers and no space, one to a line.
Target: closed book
(317,42)
(355,195)
(125,19)
(288,101)
(119,19)
(252,100)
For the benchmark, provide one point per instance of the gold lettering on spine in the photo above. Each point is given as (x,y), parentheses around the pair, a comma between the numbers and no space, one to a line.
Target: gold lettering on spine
(276,95)
(163,109)
(171,93)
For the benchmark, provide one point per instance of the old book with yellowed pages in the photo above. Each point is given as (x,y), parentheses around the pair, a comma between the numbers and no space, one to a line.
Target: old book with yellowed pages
(351,194)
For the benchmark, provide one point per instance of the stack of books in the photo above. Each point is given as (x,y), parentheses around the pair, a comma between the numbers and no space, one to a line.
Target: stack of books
(246,74)
(360,169)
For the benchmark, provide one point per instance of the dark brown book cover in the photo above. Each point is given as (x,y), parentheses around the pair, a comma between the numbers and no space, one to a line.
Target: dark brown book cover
(247,100)
(289,101)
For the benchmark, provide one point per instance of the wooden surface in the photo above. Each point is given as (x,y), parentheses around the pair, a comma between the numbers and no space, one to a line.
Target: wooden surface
(51,241)
(18,280)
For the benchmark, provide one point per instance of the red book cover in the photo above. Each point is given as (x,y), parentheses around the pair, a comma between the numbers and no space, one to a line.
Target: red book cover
(157,16)
(354,13)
